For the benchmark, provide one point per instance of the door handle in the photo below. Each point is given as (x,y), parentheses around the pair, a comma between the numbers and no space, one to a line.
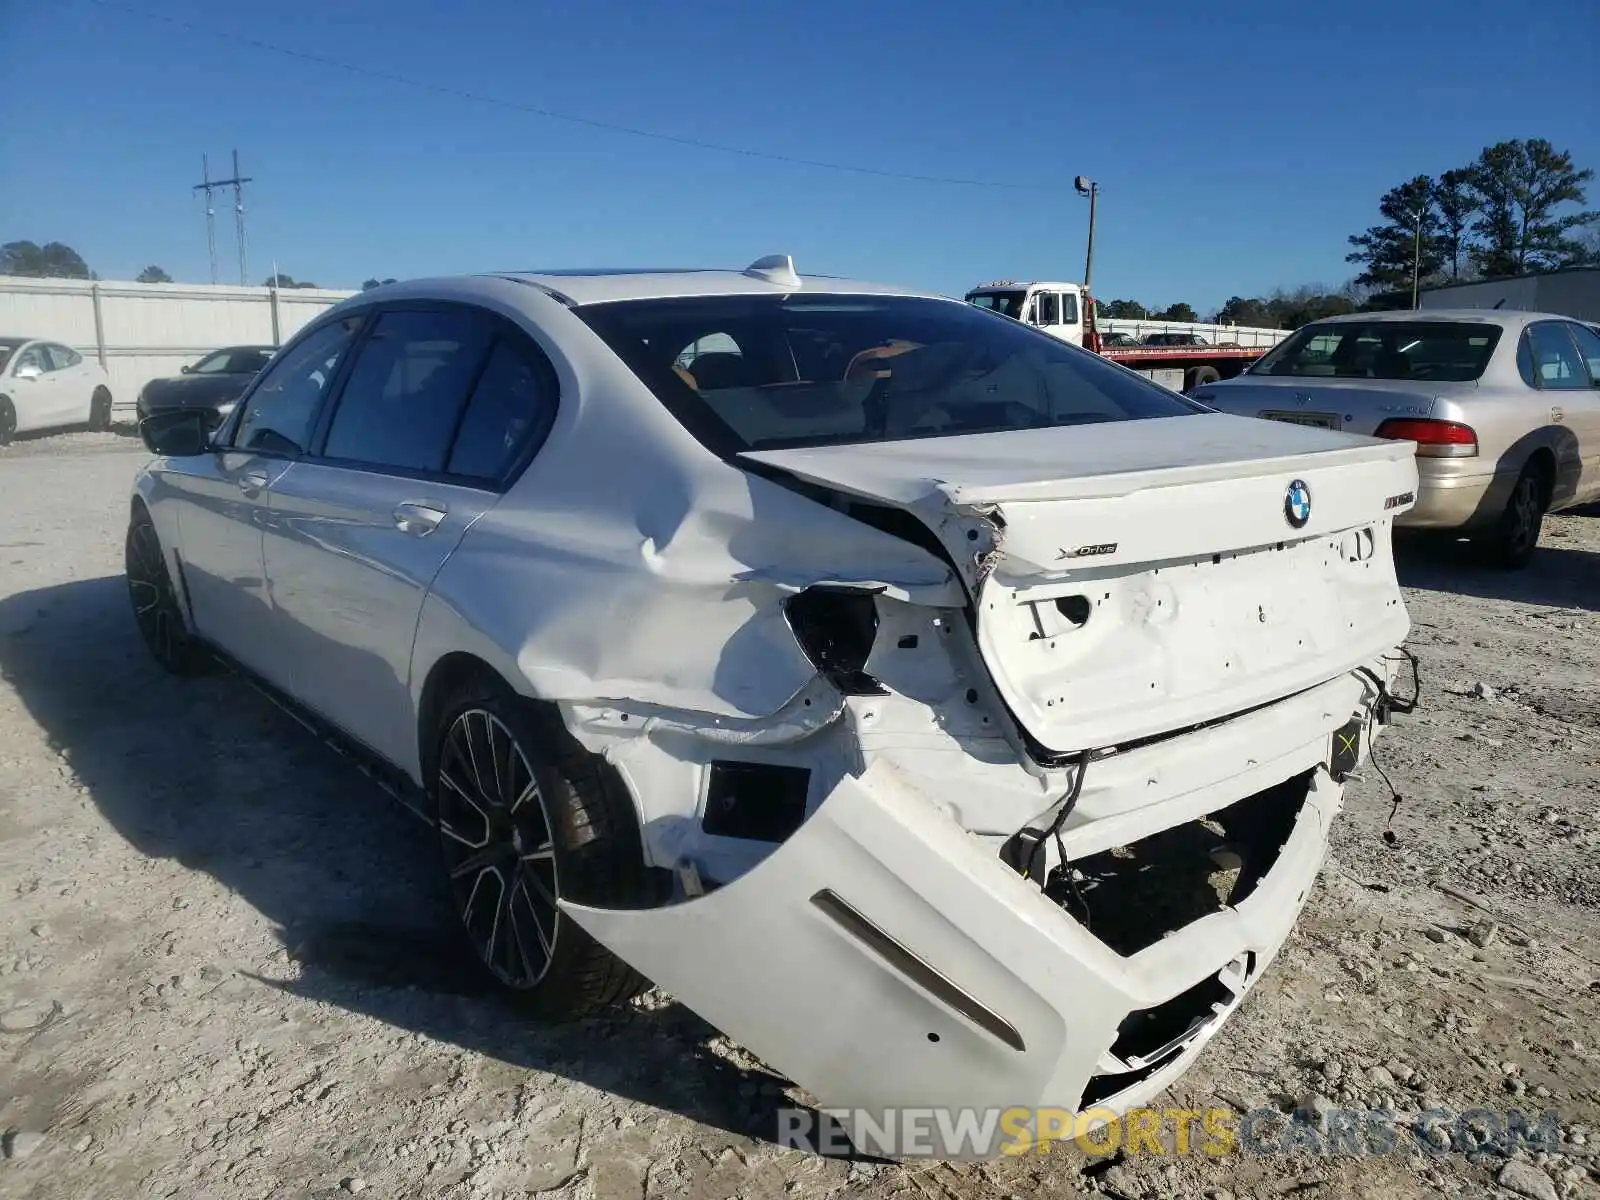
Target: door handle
(417,518)
(252,481)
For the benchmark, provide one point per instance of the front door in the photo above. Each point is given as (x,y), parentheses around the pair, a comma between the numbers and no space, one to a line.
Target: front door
(227,495)
(1047,312)
(33,389)
(221,504)
(435,406)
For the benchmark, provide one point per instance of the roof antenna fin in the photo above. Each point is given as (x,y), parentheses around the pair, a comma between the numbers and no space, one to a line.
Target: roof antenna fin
(775,268)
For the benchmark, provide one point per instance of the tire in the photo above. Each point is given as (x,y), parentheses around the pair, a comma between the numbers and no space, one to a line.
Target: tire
(527,816)
(1204,375)
(100,410)
(8,421)
(1511,543)
(156,610)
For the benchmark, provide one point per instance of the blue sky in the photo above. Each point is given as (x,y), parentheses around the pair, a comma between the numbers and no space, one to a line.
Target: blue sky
(1236,144)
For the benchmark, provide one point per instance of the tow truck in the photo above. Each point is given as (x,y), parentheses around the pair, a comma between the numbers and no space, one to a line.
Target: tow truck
(1206,354)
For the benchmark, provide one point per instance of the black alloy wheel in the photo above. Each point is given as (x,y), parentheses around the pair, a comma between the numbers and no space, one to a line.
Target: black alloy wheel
(499,849)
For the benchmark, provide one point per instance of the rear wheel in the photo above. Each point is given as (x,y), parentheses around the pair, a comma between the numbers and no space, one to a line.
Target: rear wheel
(100,410)
(8,421)
(528,817)
(1203,375)
(1511,543)
(155,602)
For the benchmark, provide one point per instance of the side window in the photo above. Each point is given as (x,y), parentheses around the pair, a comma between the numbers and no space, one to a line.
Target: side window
(1555,358)
(1046,310)
(1069,308)
(1589,349)
(514,401)
(407,387)
(1525,361)
(34,357)
(284,407)
(61,357)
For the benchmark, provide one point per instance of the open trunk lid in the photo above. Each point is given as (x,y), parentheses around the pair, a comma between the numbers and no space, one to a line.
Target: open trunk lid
(1134,578)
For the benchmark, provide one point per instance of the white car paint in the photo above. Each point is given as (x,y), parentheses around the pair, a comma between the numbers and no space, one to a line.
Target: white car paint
(883,953)
(49,385)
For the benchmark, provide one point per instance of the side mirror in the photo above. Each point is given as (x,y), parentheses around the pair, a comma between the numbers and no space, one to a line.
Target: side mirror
(186,369)
(27,371)
(177,433)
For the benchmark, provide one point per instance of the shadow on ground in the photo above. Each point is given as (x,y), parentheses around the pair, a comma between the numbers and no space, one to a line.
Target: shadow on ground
(1561,576)
(208,773)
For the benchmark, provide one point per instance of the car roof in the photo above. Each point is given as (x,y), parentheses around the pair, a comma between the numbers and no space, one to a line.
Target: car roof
(1503,317)
(773,276)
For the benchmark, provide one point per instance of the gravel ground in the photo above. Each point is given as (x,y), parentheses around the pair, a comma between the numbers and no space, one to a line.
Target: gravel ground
(216,979)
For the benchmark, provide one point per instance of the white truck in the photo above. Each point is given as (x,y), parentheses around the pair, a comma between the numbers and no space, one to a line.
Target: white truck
(1177,354)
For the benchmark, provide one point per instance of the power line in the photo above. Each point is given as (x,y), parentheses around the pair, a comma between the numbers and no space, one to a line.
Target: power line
(551,114)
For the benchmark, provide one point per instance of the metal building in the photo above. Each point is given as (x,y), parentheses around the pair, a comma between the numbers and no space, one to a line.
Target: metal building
(1570,292)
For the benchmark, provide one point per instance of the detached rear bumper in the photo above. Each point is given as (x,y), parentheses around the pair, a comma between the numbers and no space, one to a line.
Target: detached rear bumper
(885,959)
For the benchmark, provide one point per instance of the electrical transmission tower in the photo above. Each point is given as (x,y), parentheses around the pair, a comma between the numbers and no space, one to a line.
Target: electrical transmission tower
(209,185)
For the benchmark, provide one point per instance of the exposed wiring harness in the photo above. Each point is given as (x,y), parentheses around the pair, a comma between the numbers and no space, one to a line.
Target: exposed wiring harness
(1067,805)
(1387,704)
(1064,868)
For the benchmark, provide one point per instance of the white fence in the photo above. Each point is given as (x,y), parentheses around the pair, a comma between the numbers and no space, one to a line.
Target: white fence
(1242,335)
(140,331)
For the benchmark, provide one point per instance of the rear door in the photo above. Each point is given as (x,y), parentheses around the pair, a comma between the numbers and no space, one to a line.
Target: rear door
(436,412)
(1583,417)
(72,386)
(1567,394)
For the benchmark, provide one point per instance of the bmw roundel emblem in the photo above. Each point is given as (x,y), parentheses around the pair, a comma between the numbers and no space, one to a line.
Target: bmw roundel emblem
(1297,504)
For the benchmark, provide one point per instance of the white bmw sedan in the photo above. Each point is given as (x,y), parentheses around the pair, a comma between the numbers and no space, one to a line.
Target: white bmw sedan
(948,714)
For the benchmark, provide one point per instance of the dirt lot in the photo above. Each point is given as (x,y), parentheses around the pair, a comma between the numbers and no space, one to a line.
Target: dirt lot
(216,978)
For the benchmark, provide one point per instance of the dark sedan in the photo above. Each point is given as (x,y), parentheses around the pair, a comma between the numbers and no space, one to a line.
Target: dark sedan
(215,382)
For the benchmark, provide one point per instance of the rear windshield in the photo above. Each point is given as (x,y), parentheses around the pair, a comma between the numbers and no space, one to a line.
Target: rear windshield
(769,372)
(1445,351)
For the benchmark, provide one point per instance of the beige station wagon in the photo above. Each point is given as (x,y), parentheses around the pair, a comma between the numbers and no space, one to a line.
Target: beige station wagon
(1504,408)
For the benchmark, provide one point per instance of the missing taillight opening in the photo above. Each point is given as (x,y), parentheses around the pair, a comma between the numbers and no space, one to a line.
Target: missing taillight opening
(1434,438)
(836,628)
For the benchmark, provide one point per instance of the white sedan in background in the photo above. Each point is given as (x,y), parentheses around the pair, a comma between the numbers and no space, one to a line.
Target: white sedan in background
(45,385)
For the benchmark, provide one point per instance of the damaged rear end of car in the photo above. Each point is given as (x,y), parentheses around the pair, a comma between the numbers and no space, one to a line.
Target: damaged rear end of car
(1047,797)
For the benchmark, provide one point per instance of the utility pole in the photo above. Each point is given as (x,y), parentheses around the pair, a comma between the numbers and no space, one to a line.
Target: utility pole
(209,185)
(211,213)
(1088,187)
(1416,256)
(238,217)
